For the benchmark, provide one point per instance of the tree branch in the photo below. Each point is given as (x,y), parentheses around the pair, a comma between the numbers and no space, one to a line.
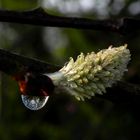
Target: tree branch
(122,92)
(13,64)
(40,17)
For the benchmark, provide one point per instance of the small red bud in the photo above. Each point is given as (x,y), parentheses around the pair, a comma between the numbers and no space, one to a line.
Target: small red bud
(35,84)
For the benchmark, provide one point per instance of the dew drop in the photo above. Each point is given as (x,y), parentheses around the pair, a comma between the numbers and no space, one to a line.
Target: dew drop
(34,102)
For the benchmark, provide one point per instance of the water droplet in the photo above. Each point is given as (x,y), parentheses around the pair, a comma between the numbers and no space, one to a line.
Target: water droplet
(34,102)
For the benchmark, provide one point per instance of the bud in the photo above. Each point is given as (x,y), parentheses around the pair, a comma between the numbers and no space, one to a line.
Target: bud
(35,89)
(92,73)
(35,84)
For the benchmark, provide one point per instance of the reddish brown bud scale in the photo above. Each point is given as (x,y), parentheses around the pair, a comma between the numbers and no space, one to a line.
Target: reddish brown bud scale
(22,86)
(35,84)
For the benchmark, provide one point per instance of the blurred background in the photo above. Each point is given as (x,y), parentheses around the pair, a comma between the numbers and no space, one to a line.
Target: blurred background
(64,117)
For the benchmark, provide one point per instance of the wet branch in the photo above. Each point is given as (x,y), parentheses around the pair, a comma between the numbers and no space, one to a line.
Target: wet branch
(40,17)
(12,64)
(122,92)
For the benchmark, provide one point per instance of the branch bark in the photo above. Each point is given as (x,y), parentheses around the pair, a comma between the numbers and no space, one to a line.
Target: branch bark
(122,92)
(40,17)
(13,64)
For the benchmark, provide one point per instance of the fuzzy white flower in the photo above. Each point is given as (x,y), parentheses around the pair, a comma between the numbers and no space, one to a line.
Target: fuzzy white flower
(92,73)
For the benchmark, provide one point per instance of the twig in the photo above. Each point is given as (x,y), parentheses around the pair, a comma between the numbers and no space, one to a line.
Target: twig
(12,64)
(40,17)
(122,92)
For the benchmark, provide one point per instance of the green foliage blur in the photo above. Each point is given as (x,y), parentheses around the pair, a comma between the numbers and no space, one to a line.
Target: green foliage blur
(63,117)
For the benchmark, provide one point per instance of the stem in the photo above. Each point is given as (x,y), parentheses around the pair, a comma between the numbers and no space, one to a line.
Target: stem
(40,17)
(122,92)
(12,64)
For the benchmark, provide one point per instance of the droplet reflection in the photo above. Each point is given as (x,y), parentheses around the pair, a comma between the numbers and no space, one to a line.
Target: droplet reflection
(34,102)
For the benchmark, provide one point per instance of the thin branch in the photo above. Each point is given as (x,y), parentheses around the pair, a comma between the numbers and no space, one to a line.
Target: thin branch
(12,64)
(40,17)
(122,92)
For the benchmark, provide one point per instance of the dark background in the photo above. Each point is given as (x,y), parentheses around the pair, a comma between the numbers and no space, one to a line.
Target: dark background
(64,117)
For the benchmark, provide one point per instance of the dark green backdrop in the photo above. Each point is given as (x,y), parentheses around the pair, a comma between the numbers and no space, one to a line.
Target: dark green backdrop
(64,118)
